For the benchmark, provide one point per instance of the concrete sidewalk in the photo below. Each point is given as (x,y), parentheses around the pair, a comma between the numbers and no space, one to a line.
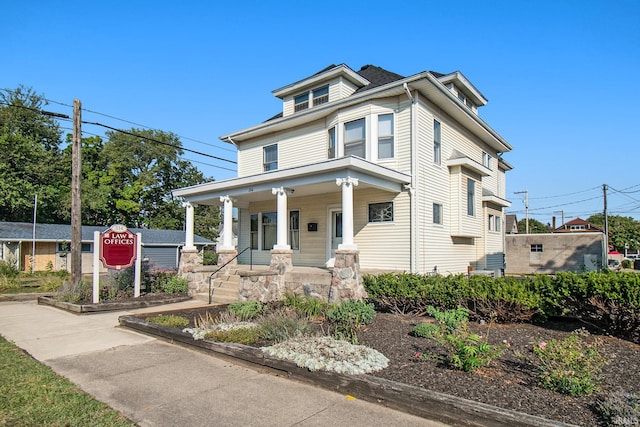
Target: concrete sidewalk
(159,384)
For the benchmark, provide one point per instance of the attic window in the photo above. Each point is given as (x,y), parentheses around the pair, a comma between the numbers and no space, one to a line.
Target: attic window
(321,95)
(301,102)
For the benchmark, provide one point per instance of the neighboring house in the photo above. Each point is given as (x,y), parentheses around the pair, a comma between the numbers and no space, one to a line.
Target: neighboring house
(52,245)
(511,226)
(400,171)
(578,225)
(548,253)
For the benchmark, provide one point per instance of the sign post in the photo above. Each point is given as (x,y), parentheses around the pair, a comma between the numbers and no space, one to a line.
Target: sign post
(119,249)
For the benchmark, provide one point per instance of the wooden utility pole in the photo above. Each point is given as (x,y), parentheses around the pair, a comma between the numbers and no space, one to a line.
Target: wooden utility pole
(605,255)
(76,216)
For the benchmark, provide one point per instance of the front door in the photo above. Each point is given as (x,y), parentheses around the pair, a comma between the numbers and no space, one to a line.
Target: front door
(336,231)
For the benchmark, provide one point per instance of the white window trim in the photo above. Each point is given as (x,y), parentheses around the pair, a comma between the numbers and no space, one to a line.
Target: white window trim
(433,142)
(264,158)
(261,229)
(375,137)
(379,223)
(438,224)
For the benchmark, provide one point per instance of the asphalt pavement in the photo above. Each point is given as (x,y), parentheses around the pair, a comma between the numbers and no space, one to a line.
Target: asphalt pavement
(155,383)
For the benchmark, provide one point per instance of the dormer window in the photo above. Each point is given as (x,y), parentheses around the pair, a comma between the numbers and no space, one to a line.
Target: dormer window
(318,96)
(321,95)
(301,102)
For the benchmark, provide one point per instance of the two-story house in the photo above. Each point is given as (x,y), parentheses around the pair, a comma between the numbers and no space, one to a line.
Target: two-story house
(401,171)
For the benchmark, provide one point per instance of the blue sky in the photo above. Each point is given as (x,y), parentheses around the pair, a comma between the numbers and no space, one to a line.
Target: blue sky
(562,77)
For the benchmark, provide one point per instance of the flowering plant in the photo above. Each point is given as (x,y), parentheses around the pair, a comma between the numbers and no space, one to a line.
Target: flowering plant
(570,366)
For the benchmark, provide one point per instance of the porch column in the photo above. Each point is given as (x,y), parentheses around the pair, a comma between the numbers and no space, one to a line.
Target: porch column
(189,245)
(282,226)
(227,231)
(347,212)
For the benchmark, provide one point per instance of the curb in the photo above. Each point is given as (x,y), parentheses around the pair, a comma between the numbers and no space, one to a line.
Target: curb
(413,400)
(106,306)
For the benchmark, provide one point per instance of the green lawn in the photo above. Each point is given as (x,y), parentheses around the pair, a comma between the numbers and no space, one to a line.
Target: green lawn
(31,394)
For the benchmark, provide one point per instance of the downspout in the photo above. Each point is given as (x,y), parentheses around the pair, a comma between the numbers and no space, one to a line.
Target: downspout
(413,223)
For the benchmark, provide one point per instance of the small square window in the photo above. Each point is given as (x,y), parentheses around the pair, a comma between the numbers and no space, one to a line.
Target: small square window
(381,212)
(536,247)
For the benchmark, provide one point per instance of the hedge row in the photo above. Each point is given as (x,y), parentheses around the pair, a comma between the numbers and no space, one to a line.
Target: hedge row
(610,301)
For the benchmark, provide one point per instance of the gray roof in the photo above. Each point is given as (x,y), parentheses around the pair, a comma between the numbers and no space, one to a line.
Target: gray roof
(23,231)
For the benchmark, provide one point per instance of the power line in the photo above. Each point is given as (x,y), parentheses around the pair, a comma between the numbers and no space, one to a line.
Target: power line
(144,126)
(564,195)
(159,142)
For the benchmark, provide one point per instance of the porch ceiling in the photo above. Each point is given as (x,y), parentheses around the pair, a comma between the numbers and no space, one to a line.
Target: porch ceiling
(316,179)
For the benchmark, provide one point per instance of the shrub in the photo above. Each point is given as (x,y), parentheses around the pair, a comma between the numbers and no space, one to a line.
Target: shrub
(52,284)
(310,307)
(209,257)
(247,310)
(8,269)
(69,292)
(620,409)
(175,284)
(169,320)
(571,365)
(626,263)
(282,325)
(8,283)
(350,316)
(465,350)
(237,335)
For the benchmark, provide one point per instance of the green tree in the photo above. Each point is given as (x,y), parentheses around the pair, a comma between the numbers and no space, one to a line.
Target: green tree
(535,226)
(30,159)
(622,231)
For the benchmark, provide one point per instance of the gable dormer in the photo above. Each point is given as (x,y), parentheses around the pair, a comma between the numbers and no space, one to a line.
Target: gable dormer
(331,84)
(462,88)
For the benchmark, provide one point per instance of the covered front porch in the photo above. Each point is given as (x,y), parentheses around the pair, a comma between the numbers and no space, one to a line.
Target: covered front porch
(301,216)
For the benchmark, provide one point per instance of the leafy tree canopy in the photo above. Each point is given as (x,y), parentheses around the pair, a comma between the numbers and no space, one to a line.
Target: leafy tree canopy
(30,161)
(535,226)
(126,179)
(622,231)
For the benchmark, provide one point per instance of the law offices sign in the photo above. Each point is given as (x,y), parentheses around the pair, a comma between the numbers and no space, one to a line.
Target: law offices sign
(119,248)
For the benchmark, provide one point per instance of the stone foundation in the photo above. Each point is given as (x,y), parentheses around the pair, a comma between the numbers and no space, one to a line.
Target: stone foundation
(281,260)
(346,284)
(227,255)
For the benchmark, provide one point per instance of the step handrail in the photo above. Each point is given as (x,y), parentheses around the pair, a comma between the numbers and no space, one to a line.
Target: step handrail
(225,264)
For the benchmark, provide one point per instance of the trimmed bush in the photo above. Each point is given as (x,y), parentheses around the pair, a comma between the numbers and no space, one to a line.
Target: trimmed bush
(169,320)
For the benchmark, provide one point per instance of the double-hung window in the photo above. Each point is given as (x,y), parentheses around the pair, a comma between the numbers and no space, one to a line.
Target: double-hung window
(471,197)
(381,212)
(493,223)
(486,160)
(437,143)
(254,231)
(269,230)
(271,158)
(355,138)
(385,136)
(331,154)
(294,230)
(437,213)
(320,95)
(301,102)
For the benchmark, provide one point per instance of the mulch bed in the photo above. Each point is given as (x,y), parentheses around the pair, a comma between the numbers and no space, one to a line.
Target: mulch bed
(509,382)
